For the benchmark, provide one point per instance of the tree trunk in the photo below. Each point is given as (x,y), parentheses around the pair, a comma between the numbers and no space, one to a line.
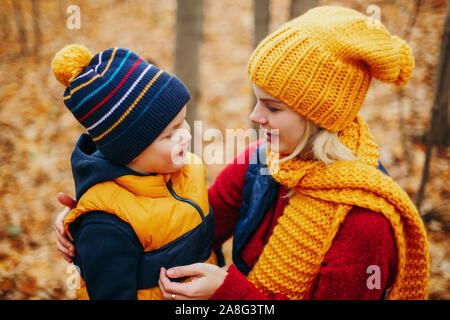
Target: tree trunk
(299,7)
(18,17)
(438,131)
(187,47)
(36,29)
(406,140)
(261,18)
(261,14)
(59,13)
(442,95)
(6,29)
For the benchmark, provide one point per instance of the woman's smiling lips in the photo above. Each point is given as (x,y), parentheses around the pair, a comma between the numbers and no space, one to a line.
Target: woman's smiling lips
(270,136)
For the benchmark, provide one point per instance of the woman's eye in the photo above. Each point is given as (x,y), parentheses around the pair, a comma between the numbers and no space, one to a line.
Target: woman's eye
(272,109)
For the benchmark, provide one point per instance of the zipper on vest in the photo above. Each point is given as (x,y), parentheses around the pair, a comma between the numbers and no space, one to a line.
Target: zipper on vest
(192,203)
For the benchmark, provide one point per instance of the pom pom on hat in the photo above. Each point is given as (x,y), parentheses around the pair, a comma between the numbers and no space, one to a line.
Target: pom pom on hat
(406,61)
(69,62)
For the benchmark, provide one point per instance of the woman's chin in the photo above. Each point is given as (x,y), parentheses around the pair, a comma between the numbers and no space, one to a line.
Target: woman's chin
(275,146)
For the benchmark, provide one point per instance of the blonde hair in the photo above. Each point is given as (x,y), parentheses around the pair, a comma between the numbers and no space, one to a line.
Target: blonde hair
(321,145)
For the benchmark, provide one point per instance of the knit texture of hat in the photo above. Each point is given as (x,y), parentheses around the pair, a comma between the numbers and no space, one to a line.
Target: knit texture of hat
(123,102)
(321,63)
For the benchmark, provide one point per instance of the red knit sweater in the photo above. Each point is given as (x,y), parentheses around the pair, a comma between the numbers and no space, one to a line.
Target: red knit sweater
(364,239)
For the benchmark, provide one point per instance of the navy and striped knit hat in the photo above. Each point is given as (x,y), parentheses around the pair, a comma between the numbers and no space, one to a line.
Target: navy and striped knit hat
(123,102)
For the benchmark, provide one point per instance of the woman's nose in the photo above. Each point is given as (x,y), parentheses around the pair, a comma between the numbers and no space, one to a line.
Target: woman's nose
(257,115)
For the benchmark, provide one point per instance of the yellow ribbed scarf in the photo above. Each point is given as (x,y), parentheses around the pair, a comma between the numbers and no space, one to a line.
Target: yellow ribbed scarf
(324,195)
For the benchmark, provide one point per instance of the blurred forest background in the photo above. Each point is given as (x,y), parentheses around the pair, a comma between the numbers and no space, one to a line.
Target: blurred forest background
(207,43)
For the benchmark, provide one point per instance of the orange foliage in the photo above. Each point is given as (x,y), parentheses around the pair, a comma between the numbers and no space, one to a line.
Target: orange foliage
(37,133)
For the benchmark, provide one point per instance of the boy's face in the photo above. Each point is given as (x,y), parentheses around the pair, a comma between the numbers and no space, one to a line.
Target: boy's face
(168,153)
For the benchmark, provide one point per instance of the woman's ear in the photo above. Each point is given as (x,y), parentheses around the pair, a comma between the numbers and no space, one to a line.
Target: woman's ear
(314,127)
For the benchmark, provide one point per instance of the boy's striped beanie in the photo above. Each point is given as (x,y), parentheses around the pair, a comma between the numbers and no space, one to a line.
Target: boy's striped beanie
(123,102)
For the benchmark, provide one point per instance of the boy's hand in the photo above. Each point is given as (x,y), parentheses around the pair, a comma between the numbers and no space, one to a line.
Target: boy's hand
(64,246)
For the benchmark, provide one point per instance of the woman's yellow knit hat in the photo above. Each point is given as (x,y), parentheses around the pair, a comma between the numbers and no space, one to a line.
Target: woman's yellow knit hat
(321,63)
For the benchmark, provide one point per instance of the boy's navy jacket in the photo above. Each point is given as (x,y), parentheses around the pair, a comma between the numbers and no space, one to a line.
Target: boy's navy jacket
(90,167)
(110,255)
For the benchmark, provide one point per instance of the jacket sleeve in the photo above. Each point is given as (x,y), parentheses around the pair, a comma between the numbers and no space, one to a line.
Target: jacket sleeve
(108,253)
(364,239)
(226,195)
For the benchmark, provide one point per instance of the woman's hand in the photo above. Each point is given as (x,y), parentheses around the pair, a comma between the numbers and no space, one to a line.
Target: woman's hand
(64,246)
(206,278)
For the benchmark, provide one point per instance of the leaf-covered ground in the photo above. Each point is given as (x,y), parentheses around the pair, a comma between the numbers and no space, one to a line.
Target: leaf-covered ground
(37,133)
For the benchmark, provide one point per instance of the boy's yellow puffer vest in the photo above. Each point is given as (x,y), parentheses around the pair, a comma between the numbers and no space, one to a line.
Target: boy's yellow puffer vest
(146,203)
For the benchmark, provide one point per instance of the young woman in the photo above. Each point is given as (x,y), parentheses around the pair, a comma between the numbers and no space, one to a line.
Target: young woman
(327,222)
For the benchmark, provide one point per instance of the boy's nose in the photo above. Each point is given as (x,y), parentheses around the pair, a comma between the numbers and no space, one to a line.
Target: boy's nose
(257,115)
(189,137)
(186,137)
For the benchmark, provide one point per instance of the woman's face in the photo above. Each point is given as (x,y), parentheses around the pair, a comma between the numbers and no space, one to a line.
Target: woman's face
(271,114)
